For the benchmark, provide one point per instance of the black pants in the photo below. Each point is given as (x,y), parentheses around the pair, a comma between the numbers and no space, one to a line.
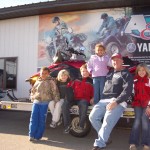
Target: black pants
(83,106)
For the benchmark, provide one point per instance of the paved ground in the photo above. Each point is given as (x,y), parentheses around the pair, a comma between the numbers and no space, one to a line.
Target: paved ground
(14,136)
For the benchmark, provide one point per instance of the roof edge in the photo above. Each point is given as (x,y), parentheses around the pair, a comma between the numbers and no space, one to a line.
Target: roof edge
(65,6)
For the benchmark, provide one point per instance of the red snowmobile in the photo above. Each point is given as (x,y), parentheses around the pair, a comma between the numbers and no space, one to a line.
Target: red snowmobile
(62,61)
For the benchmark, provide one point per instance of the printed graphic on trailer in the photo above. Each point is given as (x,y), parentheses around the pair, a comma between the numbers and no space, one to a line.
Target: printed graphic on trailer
(139,27)
(82,31)
(117,29)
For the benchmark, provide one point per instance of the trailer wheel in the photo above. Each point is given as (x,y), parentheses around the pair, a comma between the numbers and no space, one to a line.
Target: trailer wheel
(75,127)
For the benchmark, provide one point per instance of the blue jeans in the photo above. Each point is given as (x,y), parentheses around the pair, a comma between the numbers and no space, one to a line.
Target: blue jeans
(140,119)
(37,120)
(98,83)
(83,106)
(110,118)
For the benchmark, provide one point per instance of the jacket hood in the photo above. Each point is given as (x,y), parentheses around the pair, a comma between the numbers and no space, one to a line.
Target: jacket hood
(48,78)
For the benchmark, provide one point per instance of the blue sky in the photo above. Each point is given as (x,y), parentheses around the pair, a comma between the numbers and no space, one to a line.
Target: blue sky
(9,3)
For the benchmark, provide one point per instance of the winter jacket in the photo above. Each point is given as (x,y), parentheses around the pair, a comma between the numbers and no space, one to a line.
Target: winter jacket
(83,89)
(119,85)
(98,66)
(66,92)
(45,90)
(142,91)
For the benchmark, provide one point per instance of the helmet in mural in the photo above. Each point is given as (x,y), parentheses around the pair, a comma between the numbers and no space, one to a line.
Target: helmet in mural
(55,19)
(104,16)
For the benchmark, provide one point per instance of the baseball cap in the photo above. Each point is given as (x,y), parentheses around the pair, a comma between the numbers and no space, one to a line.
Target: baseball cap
(117,55)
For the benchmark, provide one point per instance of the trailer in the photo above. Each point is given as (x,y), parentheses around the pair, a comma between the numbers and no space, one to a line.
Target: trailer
(74,111)
(27,106)
(71,12)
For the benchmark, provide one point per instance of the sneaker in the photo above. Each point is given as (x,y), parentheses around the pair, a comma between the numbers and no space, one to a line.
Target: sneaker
(32,139)
(146,147)
(97,148)
(53,124)
(132,147)
(67,129)
(59,122)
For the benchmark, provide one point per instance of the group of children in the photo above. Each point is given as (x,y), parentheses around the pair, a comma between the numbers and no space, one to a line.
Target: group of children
(60,94)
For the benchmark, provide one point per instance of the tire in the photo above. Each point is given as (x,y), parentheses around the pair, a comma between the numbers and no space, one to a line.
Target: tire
(74,129)
(112,48)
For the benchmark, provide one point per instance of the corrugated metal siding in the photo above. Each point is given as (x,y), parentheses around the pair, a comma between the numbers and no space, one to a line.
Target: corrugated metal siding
(19,38)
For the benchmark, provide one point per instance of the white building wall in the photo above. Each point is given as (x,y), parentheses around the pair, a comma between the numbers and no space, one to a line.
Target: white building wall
(19,38)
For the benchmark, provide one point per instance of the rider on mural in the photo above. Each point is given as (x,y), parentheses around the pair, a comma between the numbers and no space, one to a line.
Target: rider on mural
(108,26)
(65,36)
(61,28)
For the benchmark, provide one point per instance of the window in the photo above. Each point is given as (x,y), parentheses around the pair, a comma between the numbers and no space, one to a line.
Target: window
(8,73)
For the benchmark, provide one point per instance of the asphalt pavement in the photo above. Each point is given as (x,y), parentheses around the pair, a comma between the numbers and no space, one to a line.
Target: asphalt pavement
(14,135)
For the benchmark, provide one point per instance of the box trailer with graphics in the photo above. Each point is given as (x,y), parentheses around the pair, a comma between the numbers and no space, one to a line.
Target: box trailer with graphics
(119,28)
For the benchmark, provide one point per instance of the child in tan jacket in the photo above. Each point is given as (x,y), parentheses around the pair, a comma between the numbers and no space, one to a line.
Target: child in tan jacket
(43,91)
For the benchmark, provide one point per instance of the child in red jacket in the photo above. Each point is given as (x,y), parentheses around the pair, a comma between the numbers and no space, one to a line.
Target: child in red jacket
(141,106)
(83,96)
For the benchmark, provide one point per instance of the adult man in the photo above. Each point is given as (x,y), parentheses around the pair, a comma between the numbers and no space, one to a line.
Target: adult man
(117,89)
(108,26)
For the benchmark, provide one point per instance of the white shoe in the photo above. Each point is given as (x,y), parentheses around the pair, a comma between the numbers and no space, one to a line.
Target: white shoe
(132,147)
(53,124)
(146,147)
